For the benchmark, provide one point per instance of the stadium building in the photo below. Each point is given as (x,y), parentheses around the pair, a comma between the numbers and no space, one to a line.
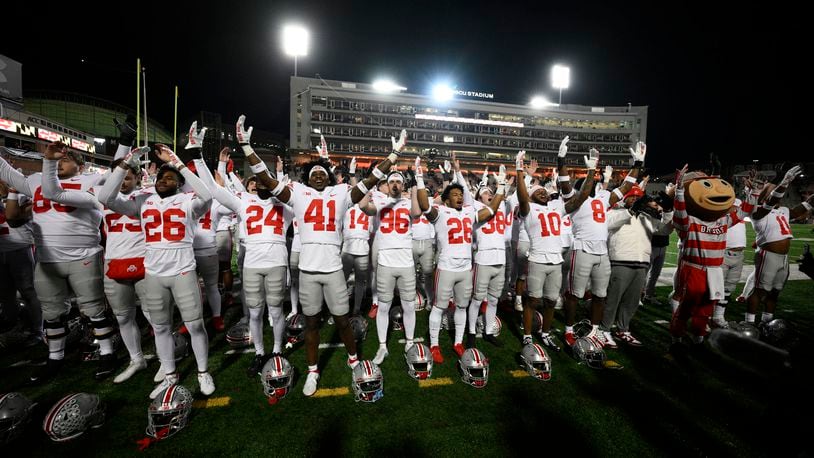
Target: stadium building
(357,120)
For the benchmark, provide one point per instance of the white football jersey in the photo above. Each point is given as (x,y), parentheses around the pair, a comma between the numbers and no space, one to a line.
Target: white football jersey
(123,235)
(519,233)
(453,230)
(508,220)
(265,223)
(566,235)
(422,229)
(64,233)
(772,227)
(15,238)
(491,238)
(320,216)
(356,232)
(169,229)
(296,245)
(205,240)
(590,224)
(395,233)
(544,225)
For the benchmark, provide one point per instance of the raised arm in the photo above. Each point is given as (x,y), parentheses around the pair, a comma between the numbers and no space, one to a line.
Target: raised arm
(127,136)
(522,189)
(52,189)
(219,193)
(485,214)
(590,163)
(11,176)
(681,219)
(563,179)
(259,168)
(109,193)
(359,191)
(630,180)
(777,193)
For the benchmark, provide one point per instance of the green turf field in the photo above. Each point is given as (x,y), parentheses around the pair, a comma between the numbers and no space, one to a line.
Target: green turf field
(713,406)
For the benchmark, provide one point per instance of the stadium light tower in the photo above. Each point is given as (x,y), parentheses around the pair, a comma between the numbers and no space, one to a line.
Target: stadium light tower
(295,42)
(442,92)
(539,102)
(560,78)
(386,85)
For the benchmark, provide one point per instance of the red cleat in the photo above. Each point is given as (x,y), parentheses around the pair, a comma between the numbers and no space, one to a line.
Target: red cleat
(217,323)
(437,358)
(374,309)
(459,349)
(183,329)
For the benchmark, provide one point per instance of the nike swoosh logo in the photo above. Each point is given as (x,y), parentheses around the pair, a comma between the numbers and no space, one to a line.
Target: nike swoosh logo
(86,263)
(175,204)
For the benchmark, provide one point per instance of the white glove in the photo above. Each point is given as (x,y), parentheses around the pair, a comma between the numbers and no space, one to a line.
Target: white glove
(606,175)
(418,171)
(555,176)
(518,162)
(322,149)
(639,152)
(399,145)
(563,147)
(791,174)
(447,167)
(195,137)
(485,178)
(352,166)
(551,186)
(243,136)
(279,168)
(133,158)
(500,177)
(590,164)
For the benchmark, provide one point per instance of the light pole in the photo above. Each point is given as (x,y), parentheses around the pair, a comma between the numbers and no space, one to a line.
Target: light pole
(295,42)
(560,78)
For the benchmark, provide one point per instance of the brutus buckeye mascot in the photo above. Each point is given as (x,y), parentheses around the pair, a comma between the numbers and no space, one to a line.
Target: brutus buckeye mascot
(703,213)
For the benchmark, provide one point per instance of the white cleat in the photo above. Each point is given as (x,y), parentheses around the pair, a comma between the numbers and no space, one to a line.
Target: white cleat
(169,381)
(381,353)
(311,382)
(159,375)
(205,383)
(132,368)
(609,342)
(518,304)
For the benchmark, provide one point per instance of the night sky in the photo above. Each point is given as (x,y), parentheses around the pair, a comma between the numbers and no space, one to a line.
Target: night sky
(707,72)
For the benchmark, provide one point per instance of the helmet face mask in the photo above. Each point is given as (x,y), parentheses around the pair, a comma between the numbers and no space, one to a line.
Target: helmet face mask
(587,352)
(359,327)
(368,382)
(15,413)
(239,335)
(396,318)
(295,329)
(536,361)
(419,361)
(474,367)
(169,412)
(276,377)
(72,415)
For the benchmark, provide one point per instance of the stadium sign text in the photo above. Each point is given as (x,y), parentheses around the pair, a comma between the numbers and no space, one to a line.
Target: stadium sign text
(480,95)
